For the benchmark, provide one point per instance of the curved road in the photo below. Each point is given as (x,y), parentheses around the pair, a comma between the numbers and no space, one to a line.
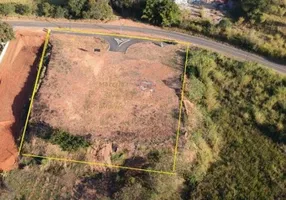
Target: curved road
(202,42)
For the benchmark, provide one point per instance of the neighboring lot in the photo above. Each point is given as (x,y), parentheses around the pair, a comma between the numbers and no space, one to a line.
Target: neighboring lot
(17,76)
(125,104)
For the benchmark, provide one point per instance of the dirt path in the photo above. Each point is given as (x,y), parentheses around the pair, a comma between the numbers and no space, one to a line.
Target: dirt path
(17,74)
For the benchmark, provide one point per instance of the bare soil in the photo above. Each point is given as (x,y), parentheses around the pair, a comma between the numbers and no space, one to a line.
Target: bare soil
(128,100)
(17,75)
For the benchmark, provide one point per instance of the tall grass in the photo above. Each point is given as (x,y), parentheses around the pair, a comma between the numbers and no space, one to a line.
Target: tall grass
(241,140)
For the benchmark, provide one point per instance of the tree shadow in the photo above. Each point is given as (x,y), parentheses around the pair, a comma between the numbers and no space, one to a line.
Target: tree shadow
(272,133)
(108,183)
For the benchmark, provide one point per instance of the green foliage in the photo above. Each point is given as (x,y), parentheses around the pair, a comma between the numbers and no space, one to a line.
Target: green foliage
(256,41)
(6,32)
(68,142)
(65,140)
(60,12)
(249,117)
(23,9)
(98,10)
(225,23)
(7,8)
(45,9)
(162,12)
(129,8)
(76,7)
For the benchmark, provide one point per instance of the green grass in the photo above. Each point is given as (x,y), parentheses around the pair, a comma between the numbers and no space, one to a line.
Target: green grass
(244,108)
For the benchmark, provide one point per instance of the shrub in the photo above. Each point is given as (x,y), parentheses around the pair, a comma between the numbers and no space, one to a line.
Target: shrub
(98,10)
(162,12)
(45,9)
(68,142)
(60,12)
(76,7)
(6,32)
(225,23)
(7,8)
(23,9)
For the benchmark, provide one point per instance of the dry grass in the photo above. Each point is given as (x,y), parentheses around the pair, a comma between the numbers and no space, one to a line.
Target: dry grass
(17,1)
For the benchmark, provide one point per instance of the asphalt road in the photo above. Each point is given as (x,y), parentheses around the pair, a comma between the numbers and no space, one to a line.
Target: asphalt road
(116,44)
(202,42)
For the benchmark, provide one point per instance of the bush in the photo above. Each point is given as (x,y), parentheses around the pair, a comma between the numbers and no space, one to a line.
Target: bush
(23,9)
(162,12)
(76,7)
(45,9)
(60,12)
(6,32)
(98,10)
(7,8)
(225,23)
(68,142)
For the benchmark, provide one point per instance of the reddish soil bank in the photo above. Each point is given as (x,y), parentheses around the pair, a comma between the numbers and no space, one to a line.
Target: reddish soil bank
(17,74)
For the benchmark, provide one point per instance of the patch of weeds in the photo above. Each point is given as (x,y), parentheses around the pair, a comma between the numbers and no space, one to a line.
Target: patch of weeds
(68,142)
(116,157)
(65,140)
(154,156)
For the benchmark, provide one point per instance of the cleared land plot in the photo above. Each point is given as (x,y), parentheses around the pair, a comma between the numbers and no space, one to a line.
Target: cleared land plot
(126,104)
(17,75)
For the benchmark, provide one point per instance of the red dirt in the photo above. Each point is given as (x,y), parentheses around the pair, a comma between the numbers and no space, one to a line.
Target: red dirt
(17,75)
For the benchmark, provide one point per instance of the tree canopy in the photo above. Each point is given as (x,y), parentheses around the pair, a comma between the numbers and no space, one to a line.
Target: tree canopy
(162,12)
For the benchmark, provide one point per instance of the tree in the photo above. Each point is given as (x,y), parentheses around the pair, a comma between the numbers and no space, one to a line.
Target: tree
(252,9)
(98,10)
(6,9)
(225,23)
(129,8)
(6,32)
(45,9)
(76,7)
(23,9)
(162,12)
(60,12)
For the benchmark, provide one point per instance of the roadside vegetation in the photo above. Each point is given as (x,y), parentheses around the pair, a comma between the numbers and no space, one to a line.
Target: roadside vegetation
(258,26)
(6,32)
(70,9)
(243,118)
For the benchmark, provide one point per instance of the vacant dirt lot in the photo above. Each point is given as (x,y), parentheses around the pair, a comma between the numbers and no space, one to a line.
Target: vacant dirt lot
(17,74)
(124,100)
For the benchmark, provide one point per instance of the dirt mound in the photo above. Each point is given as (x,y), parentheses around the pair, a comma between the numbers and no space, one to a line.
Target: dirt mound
(17,75)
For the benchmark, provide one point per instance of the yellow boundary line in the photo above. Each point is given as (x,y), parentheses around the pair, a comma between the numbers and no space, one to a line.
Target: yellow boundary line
(180,110)
(118,35)
(104,164)
(100,164)
(34,90)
